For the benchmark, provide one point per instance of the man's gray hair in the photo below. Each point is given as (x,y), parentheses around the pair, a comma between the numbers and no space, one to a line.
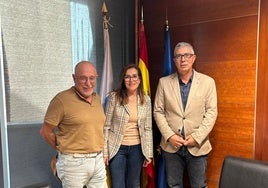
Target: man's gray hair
(183,44)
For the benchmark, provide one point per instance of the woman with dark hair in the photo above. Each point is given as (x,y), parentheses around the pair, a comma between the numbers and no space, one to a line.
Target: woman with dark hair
(128,130)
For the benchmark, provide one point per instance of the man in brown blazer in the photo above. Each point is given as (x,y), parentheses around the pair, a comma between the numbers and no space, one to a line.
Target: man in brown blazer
(185,111)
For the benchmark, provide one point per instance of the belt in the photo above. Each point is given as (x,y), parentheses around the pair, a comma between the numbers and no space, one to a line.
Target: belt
(82,155)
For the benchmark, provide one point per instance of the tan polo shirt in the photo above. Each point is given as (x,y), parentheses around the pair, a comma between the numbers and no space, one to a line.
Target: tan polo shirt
(80,124)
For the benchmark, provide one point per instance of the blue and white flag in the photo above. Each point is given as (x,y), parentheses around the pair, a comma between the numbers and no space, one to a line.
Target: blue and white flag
(107,73)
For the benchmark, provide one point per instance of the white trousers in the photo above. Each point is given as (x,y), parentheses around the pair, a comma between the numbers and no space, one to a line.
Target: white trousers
(79,170)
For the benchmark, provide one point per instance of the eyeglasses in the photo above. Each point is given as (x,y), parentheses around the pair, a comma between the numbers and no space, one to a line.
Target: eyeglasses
(180,56)
(134,77)
(84,79)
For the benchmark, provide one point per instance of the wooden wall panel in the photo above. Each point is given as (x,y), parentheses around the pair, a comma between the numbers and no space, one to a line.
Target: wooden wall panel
(261,136)
(220,40)
(224,34)
(192,11)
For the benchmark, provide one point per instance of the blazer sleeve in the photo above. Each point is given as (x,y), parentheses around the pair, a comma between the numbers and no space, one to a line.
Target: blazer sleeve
(160,109)
(109,110)
(147,143)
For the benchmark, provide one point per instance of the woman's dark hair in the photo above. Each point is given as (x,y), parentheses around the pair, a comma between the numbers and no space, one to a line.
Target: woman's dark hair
(121,92)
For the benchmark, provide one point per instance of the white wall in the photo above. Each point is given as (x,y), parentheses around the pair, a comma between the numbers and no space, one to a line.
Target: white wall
(38,50)
(37,59)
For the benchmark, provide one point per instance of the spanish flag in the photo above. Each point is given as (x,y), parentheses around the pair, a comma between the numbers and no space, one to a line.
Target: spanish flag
(143,59)
(148,172)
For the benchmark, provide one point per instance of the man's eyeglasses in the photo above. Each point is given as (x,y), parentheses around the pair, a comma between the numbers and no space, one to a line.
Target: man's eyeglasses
(180,56)
(84,79)
(134,77)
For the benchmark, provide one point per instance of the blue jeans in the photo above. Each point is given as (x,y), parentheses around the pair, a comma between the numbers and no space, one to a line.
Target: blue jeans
(79,170)
(125,167)
(196,167)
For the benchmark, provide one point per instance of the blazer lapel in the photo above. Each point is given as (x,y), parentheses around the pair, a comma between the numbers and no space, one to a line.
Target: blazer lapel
(193,90)
(140,111)
(174,82)
(126,108)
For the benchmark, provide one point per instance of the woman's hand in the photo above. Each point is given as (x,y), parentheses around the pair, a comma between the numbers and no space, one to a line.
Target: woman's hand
(146,162)
(106,161)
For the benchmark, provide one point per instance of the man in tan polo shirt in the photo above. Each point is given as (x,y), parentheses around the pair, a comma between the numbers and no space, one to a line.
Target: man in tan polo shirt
(73,125)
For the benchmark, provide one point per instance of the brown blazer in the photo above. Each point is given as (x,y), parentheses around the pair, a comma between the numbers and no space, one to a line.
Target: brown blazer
(199,115)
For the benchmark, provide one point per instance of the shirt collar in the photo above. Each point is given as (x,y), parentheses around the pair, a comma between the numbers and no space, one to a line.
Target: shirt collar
(190,80)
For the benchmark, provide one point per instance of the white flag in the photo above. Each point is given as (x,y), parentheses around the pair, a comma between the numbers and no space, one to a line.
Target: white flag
(107,73)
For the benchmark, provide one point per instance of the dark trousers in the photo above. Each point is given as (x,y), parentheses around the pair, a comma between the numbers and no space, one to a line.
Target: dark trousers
(196,167)
(126,166)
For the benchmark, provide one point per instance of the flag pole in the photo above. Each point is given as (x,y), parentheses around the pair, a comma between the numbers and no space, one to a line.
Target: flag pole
(142,14)
(4,136)
(166,26)
(104,13)
(137,31)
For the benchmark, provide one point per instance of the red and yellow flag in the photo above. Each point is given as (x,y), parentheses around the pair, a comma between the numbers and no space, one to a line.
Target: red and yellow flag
(148,172)
(143,59)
